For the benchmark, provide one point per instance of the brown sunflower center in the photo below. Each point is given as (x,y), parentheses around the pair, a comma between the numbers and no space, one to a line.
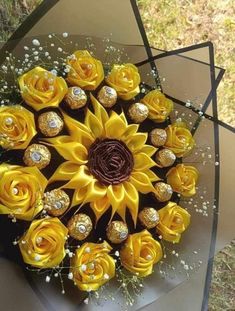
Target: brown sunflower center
(110,161)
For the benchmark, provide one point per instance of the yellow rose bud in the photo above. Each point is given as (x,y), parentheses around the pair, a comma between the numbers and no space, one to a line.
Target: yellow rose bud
(42,246)
(179,139)
(159,106)
(174,220)
(92,266)
(183,179)
(125,79)
(41,89)
(17,127)
(85,71)
(21,191)
(140,253)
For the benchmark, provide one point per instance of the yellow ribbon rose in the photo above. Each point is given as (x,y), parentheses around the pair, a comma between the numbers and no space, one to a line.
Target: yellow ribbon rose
(179,139)
(183,179)
(173,220)
(42,246)
(92,266)
(125,79)
(85,71)
(21,191)
(17,127)
(159,106)
(140,253)
(41,89)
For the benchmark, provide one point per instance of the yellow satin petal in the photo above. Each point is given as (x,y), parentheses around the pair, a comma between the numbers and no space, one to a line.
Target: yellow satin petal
(115,126)
(100,112)
(116,195)
(78,131)
(74,152)
(151,175)
(123,117)
(100,206)
(142,162)
(63,139)
(95,191)
(130,131)
(136,142)
(78,197)
(149,150)
(65,171)
(131,201)
(81,179)
(141,182)
(93,123)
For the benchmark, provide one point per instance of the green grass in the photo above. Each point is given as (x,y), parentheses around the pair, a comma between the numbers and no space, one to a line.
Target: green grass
(12,13)
(171,24)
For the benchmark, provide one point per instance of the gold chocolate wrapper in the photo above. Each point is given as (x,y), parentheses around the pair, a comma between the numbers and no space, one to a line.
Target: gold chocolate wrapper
(107,96)
(163,191)
(50,123)
(117,232)
(165,158)
(158,137)
(138,112)
(56,202)
(80,226)
(37,155)
(149,217)
(75,98)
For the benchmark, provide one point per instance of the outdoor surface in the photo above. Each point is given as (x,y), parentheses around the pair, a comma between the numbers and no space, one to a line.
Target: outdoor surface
(172,24)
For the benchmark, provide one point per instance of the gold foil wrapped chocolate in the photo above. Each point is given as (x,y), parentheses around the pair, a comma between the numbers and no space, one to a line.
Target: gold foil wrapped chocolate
(107,96)
(138,112)
(158,137)
(165,158)
(50,123)
(149,217)
(56,202)
(80,226)
(163,191)
(75,98)
(37,155)
(117,232)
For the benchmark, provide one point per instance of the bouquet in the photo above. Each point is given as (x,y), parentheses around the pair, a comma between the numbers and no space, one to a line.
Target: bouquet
(100,169)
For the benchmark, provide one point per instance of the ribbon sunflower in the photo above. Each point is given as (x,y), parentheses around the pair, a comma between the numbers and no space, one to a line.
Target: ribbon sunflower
(107,162)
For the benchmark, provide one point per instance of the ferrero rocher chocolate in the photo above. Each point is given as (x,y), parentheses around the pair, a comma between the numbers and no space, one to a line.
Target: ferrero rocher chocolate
(158,137)
(163,191)
(75,98)
(117,232)
(107,96)
(138,112)
(149,217)
(37,155)
(165,157)
(56,202)
(80,226)
(50,123)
